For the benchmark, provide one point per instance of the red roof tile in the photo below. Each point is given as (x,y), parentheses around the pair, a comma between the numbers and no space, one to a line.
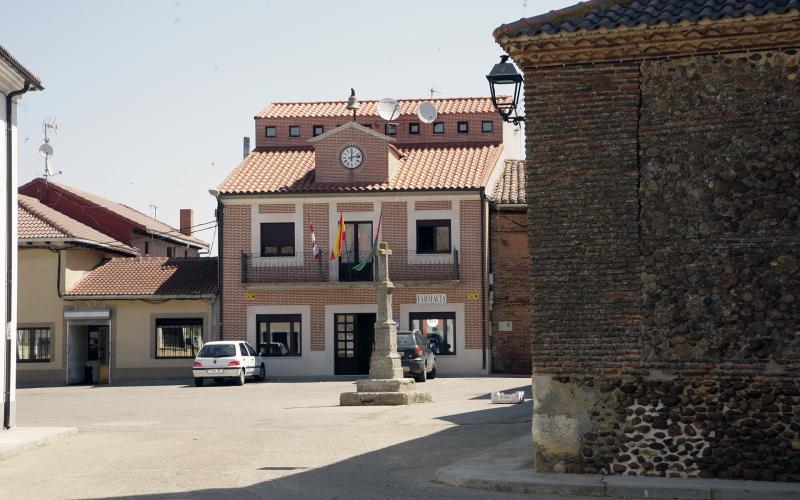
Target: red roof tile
(37,221)
(435,167)
(134,216)
(444,106)
(510,188)
(150,276)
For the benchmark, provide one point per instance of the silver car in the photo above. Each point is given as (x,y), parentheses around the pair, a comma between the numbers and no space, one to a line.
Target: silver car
(228,359)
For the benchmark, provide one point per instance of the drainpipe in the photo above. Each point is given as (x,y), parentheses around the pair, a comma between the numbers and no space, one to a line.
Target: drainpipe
(220,213)
(483,278)
(10,211)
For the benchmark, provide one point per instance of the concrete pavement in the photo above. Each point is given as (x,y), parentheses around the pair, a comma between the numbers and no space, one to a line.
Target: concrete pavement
(19,439)
(507,468)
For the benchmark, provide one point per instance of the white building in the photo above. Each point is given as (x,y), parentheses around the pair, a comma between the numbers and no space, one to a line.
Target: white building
(15,80)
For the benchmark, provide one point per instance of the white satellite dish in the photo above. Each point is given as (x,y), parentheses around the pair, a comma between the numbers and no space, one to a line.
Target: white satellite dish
(426,112)
(46,150)
(388,109)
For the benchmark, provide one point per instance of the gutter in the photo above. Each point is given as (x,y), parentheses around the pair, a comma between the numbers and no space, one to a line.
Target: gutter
(114,248)
(140,297)
(11,200)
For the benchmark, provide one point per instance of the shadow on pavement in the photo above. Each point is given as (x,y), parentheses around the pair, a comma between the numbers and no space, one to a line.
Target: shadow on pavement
(404,470)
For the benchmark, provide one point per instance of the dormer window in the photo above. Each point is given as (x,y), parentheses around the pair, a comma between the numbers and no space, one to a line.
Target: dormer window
(413,128)
(318,130)
(270,132)
(294,131)
(438,128)
(391,129)
(463,127)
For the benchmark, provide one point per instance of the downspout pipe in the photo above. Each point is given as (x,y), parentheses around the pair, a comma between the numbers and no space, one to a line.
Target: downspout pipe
(10,211)
(484,362)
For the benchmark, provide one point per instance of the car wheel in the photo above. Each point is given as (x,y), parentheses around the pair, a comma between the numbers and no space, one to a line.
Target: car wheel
(240,380)
(432,374)
(198,382)
(262,373)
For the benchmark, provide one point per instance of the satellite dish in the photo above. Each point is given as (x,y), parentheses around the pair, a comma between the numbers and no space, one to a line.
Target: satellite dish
(388,109)
(46,150)
(426,112)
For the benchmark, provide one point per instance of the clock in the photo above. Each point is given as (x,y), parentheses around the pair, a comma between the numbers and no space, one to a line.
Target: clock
(351,157)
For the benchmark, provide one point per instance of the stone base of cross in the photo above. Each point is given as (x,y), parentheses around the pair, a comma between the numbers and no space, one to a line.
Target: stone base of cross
(386,385)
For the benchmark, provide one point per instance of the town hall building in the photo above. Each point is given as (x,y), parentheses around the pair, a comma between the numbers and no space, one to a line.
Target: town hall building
(316,172)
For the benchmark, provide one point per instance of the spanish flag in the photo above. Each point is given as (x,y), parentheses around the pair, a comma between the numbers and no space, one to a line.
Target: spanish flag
(341,235)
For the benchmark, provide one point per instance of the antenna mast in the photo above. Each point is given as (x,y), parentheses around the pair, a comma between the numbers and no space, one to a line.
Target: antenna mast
(46,150)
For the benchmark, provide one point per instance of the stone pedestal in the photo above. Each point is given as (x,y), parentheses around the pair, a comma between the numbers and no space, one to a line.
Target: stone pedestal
(386,385)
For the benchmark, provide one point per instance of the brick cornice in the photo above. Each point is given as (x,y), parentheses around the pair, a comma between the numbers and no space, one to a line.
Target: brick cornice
(651,42)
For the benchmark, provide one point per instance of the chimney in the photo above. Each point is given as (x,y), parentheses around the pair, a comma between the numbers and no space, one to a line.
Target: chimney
(187,216)
(245,147)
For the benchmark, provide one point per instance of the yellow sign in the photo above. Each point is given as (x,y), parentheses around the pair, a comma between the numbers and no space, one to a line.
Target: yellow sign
(249,295)
(472,295)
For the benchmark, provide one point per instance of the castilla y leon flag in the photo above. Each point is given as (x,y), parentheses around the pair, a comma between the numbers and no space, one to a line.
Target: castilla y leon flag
(340,237)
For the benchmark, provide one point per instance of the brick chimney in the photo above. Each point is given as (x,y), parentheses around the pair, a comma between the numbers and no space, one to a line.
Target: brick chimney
(187,217)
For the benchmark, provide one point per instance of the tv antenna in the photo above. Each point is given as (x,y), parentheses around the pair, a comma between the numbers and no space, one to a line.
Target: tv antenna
(154,208)
(433,91)
(46,150)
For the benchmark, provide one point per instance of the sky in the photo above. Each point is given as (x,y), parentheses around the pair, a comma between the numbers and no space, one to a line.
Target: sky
(152,98)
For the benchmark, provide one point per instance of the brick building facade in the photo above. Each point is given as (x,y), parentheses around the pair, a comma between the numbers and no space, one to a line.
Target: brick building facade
(663,194)
(423,183)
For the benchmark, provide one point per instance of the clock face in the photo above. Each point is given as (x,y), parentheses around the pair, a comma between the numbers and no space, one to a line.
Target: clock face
(351,157)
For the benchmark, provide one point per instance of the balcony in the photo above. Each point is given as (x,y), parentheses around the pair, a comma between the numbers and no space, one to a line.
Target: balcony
(304,268)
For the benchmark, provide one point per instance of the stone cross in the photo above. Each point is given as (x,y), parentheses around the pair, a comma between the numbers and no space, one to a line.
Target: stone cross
(386,360)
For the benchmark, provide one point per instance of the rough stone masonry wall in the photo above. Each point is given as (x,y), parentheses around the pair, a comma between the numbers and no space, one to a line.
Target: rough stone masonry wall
(689,263)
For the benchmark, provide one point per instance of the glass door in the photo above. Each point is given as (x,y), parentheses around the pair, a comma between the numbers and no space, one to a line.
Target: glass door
(357,249)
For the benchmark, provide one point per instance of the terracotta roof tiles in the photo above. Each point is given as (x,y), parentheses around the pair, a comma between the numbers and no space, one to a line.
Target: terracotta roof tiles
(370,108)
(150,276)
(24,72)
(37,221)
(510,188)
(609,14)
(437,167)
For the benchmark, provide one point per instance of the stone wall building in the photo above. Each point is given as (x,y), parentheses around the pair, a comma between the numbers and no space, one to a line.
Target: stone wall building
(510,297)
(663,149)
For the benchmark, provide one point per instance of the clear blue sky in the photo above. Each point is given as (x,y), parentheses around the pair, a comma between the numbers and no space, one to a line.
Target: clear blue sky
(152,98)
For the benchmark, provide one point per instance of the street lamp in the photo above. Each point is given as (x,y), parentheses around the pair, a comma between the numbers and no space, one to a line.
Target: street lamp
(505,74)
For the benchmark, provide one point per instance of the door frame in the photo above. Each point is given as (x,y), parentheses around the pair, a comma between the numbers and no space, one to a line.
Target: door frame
(356,361)
(87,323)
(371,265)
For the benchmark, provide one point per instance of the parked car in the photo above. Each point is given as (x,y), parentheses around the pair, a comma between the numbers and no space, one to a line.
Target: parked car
(416,356)
(275,349)
(231,359)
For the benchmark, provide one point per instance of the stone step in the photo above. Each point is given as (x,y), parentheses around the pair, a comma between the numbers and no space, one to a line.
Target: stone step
(383,398)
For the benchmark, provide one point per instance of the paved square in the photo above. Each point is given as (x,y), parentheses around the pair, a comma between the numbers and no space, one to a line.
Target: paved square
(268,440)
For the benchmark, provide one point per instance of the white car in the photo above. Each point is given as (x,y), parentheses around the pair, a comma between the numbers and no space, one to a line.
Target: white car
(223,359)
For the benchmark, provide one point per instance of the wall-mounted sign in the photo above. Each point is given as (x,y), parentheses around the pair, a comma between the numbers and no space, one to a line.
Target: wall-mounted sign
(431,298)
(504,326)
(249,295)
(472,295)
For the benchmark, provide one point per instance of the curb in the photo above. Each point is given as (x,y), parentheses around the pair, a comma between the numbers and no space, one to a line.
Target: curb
(506,468)
(19,439)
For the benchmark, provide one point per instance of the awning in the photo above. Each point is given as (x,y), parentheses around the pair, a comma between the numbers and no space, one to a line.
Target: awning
(87,314)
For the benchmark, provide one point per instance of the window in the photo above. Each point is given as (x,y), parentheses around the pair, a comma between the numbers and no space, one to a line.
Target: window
(147,248)
(318,130)
(33,345)
(368,125)
(433,236)
(294,131)
(277,239)
(178,337)
(438,328)
(438,128)
(271,132)
(413,128)
(463,127)
(391,129)
(279,334)
(487,126)
(218,351)
(169,251)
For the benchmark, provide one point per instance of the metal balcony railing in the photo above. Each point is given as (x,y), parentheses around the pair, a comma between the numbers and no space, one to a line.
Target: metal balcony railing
(304,268)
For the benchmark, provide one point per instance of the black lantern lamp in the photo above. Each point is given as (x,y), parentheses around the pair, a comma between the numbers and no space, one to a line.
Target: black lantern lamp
(504,73)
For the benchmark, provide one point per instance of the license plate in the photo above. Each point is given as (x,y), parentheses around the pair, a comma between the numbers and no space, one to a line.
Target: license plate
(214,371)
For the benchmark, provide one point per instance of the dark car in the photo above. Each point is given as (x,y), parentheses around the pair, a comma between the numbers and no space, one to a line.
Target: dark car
(416,356)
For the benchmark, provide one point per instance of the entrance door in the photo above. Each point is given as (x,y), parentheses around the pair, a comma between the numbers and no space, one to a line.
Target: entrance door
(357,247)
(88,353)
(353,341)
